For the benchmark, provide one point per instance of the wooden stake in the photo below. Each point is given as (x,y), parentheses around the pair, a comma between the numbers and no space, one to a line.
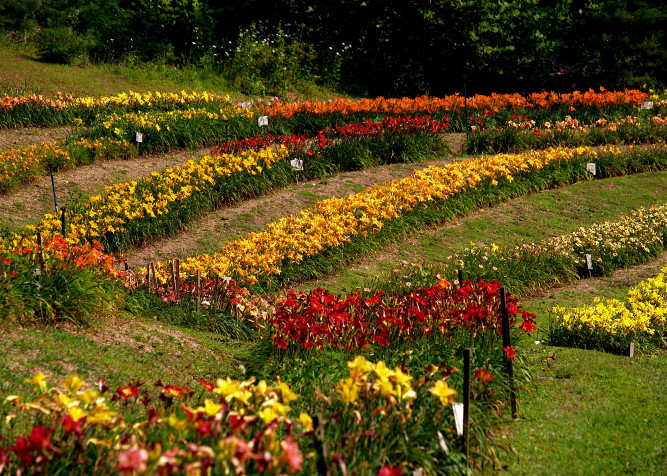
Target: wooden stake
(2,269)
(466,400)
(41,250)
(215,294)
(148,277)
(198,289)
(178,278)
(507,343)
(173,278)
(632,349)
(154,277)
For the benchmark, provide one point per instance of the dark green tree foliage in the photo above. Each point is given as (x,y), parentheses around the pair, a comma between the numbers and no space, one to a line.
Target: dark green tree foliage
(17,15)
(377,47)
(619,43)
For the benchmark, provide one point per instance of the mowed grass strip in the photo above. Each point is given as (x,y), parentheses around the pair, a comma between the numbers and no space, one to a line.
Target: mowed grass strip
(590,412)
(533,218)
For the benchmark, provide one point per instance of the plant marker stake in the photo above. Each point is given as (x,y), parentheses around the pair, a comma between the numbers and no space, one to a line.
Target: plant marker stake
(2,270)
(173,277)
(215,294)
(53,187)
(226,130)
(507,343)
(62,220)
(148,278)
(41,251)
(632,350)
(178,278)
(459,273)
(320,449)
(198,288)
(153,269)
(466,401)
(127,267)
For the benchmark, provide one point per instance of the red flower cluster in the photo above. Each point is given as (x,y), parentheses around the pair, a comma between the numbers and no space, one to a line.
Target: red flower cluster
(35,448)
(319,319)
(390,125)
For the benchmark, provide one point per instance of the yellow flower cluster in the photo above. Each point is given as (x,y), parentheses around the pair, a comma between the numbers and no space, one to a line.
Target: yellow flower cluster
(334,222)
(68,399)
(643,312)
(392,384)
(150,197)
(133,99)
(162,119)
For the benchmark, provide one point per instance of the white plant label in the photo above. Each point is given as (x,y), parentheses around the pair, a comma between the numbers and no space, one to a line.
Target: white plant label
(443,443)
(592,168)
(647,105)
(245,105)
(589,261)
(227,280)
(297,164)
(263,121)
(458,417)
(139,137)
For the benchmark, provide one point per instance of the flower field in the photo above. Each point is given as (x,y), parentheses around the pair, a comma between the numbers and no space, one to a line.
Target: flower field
(364,382)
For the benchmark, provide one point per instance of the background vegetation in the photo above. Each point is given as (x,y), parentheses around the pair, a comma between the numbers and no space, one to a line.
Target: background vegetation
(374,47)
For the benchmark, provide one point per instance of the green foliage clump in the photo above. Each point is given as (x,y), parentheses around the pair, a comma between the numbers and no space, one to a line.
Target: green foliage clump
(59,45)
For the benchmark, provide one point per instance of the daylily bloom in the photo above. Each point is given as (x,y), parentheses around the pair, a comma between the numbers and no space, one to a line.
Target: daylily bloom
(509,352)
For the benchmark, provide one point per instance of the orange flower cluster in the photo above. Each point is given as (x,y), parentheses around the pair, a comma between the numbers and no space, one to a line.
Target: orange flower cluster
(492,103)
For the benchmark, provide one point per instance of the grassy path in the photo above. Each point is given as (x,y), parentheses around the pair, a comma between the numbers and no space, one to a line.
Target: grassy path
(592,413)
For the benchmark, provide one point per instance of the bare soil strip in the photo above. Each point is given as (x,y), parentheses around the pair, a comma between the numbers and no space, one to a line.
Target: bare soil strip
(28,204)
(15,138)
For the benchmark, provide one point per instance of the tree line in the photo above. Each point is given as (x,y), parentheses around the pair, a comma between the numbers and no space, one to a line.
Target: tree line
(370,47)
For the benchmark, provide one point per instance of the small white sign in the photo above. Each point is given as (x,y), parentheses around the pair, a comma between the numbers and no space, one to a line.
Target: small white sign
(245,105)
(139,137)
(263,121)
(443,445)
(592,168)
(458,417)
(647,105)
(227,280)
(589,261)
(297,164)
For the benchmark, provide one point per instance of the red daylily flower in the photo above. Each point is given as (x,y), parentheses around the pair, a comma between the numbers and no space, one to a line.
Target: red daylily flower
(389,471)
(127,392)
(509,352)
(484,376)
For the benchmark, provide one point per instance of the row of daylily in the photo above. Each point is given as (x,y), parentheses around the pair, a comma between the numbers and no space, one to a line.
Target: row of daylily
(37,110)
(521,132)
(320,320)
(334,222)
(525,268)
(241,427)
(610,324)
(21,165)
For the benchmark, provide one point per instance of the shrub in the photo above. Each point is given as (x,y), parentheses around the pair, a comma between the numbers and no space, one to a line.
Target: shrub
(59,45)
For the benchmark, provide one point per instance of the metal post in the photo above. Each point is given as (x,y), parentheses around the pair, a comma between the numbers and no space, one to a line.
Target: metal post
(53,187)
